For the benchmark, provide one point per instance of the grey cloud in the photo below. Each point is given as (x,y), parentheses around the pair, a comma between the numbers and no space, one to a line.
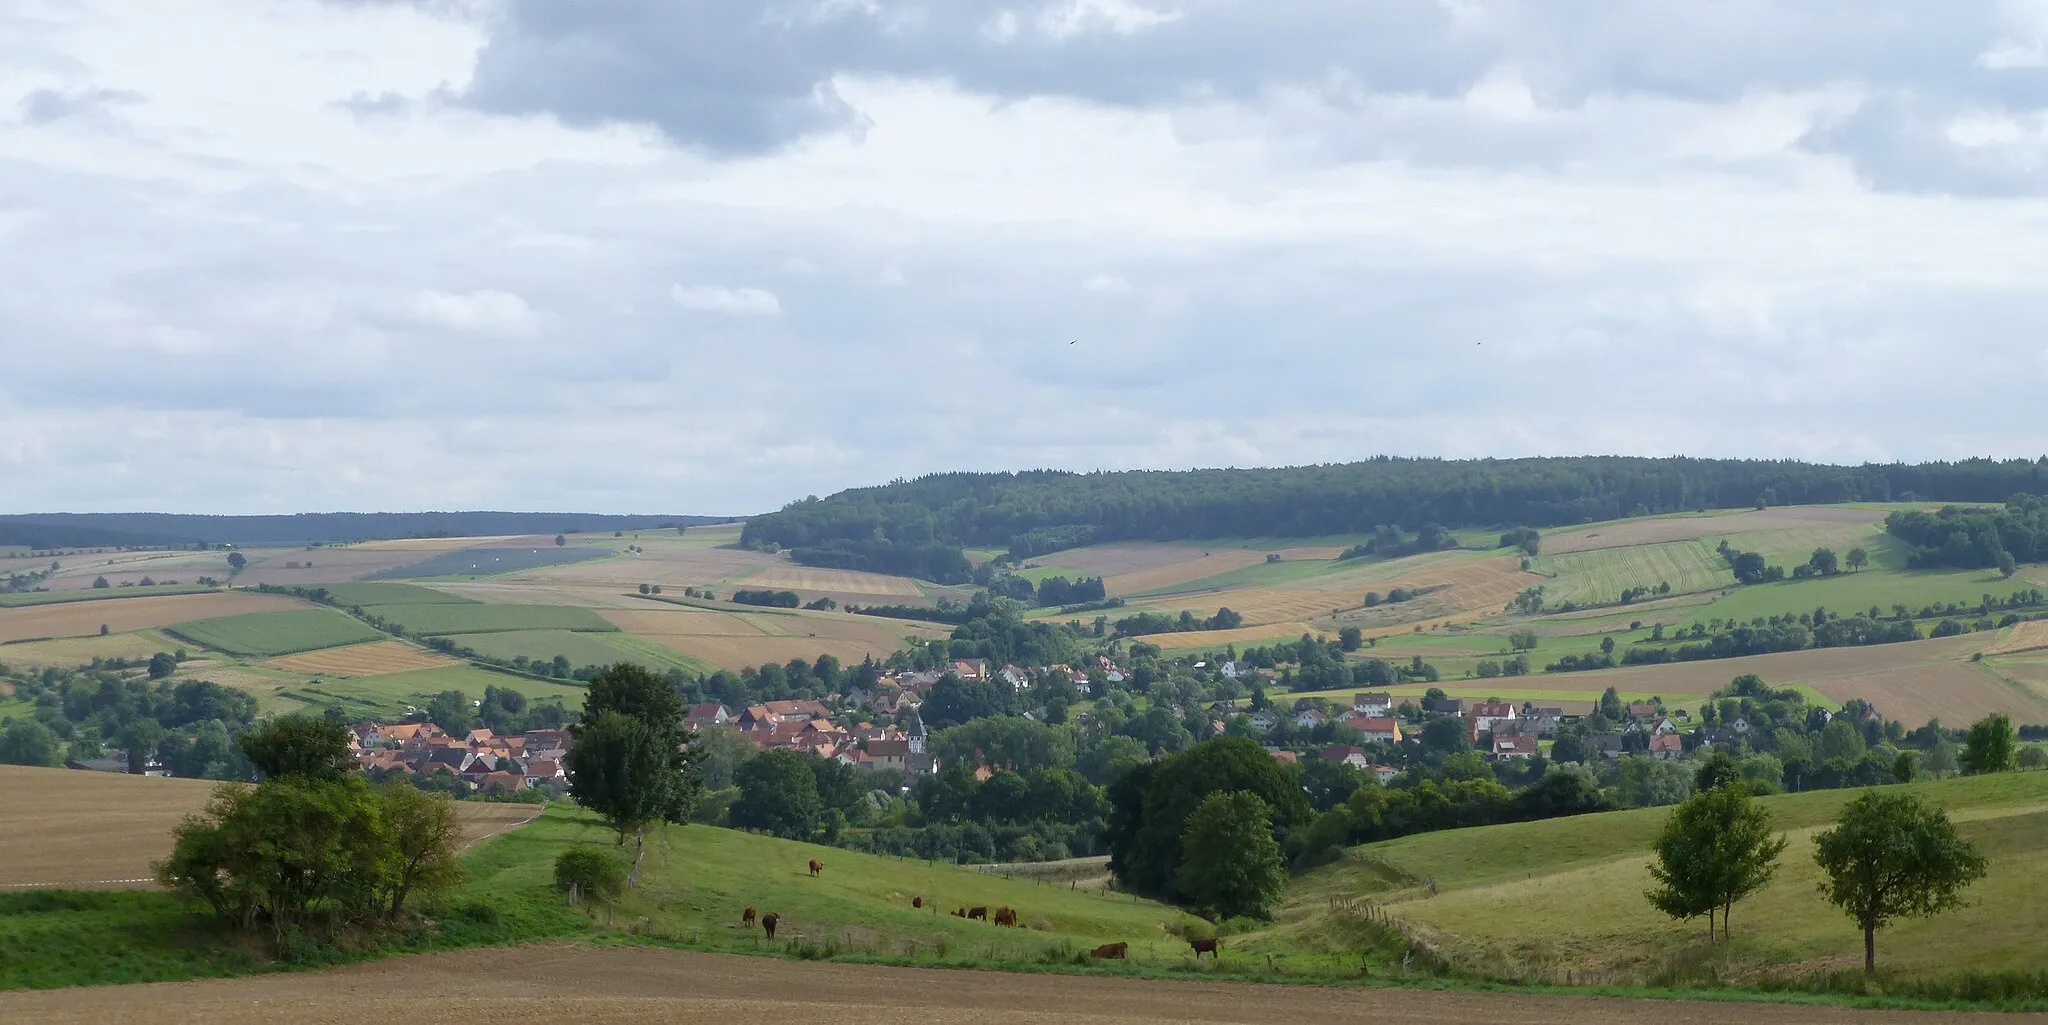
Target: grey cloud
(1903,143)
(92,106)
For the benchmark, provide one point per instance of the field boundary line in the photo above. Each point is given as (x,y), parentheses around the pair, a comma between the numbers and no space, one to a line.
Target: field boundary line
(71,883)
(502,829)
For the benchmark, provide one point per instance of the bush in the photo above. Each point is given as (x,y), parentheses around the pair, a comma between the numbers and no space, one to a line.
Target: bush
(590,874)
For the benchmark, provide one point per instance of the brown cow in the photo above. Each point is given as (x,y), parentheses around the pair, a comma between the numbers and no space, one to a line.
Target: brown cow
(747,917)
(980,912)
(768,923)
(816,867)
(917,902)
(1006,916)
(1118,951)
(1213,948)
(961,913)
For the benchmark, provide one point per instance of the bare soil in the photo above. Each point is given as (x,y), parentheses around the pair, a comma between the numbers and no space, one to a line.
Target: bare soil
(1954,692)
(616,986)
(101,830)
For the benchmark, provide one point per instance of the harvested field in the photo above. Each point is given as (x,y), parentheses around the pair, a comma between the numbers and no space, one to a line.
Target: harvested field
(100,830)
(1954,692)
(1243,635)
(832,581)
(392,594)
(78,619)
(2027,636)
(1193,566)
(1815,666)
(489,561)
(78,651)
(670,565)
(1691,528)
(416,545)
(1119,558)
(574,596)
(441,620)
(377,658)
(736,640)
(644,986)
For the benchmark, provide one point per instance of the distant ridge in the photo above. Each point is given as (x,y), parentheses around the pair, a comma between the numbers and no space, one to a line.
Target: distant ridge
(94,530)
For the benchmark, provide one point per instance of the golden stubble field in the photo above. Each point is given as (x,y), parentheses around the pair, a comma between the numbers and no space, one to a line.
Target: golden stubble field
(121,615)
(101,830)
(1692,528)
(377,658)
(646,986)
(733,640)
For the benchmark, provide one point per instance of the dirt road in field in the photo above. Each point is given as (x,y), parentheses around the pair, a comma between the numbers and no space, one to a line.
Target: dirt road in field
(630,985)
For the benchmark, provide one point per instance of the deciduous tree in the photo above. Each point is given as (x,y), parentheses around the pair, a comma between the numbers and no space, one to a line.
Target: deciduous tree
(1716,849)
(1230,864)
(1991,746)
(1893,856)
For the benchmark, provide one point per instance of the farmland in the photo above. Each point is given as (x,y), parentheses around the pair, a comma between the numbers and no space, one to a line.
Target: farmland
(580,648)
(1600,575)
(23,599)
(276,633)
(1662,529)
(101,829)
(377,658)
(474,562)
(79,619)
(391,594)
(78,651)
(735,639)
(391,694)
(438,620)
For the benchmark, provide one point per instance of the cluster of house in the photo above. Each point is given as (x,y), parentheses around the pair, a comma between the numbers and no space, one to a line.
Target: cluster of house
(484,760)
(807,726)
(1511,731)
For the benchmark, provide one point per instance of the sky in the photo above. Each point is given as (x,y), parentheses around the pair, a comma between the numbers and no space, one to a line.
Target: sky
(698,256)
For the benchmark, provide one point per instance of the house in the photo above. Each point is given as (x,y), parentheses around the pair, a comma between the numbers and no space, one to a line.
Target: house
(700,716)
(1383,728)
(1667,746)
(1610,745)
(1518,745)
(1453,707)
(1484,714)
(546,740)
(1384,773)
(1284,757)
(1719,736)
(1372,703)
(769,714)
(1015,676)
(892,755)
(1740,725)
(1232,670)
(1640,710)
(970,668)
(543,770)
(1665,726)
(1346,754)
(1263,719)
(500,782)
(1308,719)
(480,737)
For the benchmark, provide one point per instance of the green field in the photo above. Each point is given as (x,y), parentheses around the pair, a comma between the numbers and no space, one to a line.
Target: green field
(1567,893)
(440,620)
(1849,593)
(391,694)
(581,649)
(22,599)
(391,594)
(268,634)
(1790,547)
(1600,576)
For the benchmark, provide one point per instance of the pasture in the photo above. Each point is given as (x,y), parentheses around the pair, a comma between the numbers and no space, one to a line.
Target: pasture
(484,562)
(1600,575)
(101,830)
(442,620)
(1853,592)
(24,599)
(377,658)
(80,619)
(368,594)
(581,648)
(265,634)
(1567,893)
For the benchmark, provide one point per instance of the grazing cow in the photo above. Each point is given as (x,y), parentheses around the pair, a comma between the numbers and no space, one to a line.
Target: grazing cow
(1006,916)
(1213,948)
(768,923)
(980,912)
(1119,951)
(917,902)
(816,867)
(747,917)
(961,913)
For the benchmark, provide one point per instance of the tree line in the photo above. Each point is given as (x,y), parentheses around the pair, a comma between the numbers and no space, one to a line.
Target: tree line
(1975,538)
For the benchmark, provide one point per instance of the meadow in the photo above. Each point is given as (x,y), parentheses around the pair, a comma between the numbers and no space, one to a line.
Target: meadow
(392,695)
(446,619)
(1600,575)
(481,562)
(579,647)
(269,634)
(370,594)
(24,599)
(125,615)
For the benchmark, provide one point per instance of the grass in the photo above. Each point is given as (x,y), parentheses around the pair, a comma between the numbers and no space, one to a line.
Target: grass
(442,620)
(581,649)
(268,634)
(1601,575)
(1540,897)
(394,692)
(24,599)
(1848,593)
(483,562)
(391,594)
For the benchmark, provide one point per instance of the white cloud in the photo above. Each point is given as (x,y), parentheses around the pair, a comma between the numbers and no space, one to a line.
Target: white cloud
(486,311)
(1106,284)
(719,299)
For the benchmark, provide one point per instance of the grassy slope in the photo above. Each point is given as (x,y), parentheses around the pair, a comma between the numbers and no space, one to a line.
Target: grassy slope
(581,649)
(1601,575)
(23,599)
(1568,892)
(276,633)
(437,620)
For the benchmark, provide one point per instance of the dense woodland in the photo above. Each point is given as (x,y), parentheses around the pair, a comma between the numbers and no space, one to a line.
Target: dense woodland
(1976,538)
(918,527)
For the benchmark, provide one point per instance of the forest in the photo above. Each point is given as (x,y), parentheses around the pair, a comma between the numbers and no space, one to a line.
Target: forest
(917,527)
(1976,538)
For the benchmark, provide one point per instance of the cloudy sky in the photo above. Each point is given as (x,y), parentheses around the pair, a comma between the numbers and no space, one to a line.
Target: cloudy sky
(709,256)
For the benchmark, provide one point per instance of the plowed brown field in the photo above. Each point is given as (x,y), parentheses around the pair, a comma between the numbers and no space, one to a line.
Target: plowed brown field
(645,986)
(101,830)
(376,658)
(120,615)
(1954,692)
(1690,528)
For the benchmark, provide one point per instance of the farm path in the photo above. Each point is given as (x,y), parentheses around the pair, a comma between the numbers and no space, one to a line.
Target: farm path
(613,986)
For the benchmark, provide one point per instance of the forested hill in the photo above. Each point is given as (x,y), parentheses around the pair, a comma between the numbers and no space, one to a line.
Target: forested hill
(87,530)
(917,527)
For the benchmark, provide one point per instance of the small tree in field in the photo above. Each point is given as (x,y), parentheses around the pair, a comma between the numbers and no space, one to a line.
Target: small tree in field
(630,764)
(1992,746)
(1893,856)
(1716,849)
(1230,864)
(1857,558)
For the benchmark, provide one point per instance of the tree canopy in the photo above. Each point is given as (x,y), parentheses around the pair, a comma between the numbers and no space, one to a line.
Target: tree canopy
(1893,856)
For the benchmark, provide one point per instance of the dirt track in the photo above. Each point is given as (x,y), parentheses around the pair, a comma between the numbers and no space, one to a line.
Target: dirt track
(632,985)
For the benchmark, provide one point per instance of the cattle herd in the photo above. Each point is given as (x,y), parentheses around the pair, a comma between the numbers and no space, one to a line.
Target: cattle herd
(1003,916)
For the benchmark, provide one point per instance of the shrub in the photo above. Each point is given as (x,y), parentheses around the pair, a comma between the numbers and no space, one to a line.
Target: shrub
(590,874)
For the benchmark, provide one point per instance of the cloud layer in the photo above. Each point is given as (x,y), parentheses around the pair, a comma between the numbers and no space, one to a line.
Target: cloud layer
(707,257)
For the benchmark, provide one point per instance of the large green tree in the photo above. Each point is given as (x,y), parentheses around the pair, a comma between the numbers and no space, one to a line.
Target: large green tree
(778,794)
(28,742)
(1893,856)
(1230,864)
(1991,746)
(1716,849)
(295,745)
(631,763)
(1151,805)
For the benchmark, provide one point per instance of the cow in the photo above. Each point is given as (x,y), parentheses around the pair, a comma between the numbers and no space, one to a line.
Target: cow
(816,867)
(1211,947)
(768,923)
(917,902)
(1006,916)
(980,912)
(748,916)
(1119,951)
